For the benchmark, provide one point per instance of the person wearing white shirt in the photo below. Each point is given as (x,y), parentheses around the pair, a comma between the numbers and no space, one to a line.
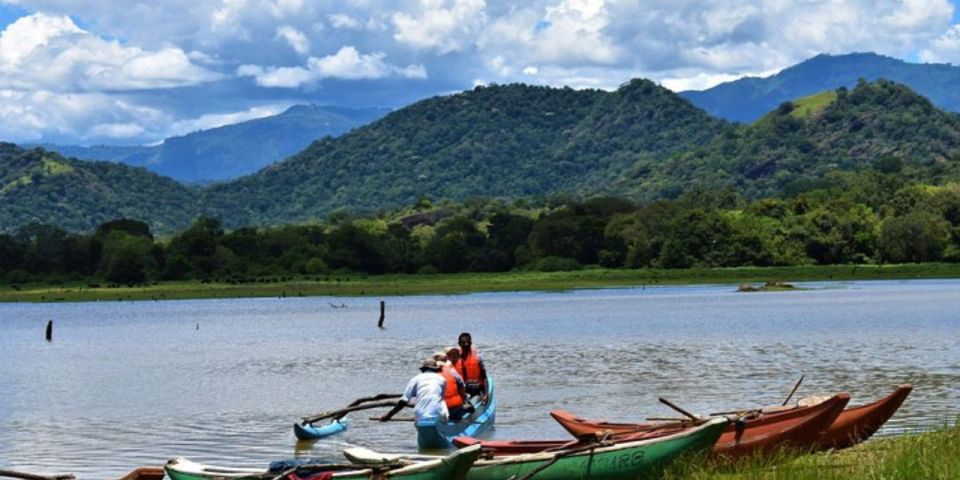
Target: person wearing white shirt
(424,392)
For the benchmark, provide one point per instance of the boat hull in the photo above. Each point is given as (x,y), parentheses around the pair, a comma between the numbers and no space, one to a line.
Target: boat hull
(797,428)
(452,467)
(432,435)
(857,424)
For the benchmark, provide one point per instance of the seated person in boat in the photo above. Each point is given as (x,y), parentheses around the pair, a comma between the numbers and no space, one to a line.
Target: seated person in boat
(455,393)
(424,392)
(470,366)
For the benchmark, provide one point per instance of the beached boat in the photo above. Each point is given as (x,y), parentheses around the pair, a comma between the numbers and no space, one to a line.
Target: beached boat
(755,433)
(452,467)
(597,461)
(434,435)
(857,424)
(519,447)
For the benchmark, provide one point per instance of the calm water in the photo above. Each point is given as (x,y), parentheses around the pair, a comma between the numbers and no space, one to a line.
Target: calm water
(125,384)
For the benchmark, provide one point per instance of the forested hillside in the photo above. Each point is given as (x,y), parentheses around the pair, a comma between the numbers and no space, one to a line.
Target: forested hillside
(748,99)
(503,141)
(881,125)
(37,186)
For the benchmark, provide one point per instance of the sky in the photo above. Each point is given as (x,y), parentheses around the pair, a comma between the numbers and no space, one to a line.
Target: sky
(136,72)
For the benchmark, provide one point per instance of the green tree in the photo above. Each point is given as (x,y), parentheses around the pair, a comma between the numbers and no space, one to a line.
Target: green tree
(914,237)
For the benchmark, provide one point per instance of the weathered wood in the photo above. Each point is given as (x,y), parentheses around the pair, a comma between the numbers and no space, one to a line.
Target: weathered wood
(352,408)
(396,419)
(49,334)
(31,476)
(682,411)
(382,309)
(795,387)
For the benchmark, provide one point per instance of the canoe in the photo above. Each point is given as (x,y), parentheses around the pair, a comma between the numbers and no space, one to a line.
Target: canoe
(519,447)
(306,431)
(145,473)
(435,435)
(796,427)
(452,467)
(857,424)
(605,461)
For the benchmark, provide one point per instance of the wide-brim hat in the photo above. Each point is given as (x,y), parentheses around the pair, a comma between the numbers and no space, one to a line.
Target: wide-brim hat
(430,364)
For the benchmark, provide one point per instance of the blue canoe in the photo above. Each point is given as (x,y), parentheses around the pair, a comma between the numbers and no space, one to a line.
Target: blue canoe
(306,431)
(432,435)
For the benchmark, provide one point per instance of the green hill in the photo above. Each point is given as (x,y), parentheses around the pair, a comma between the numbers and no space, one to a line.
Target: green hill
(504,141)
(880,125)
(41,186)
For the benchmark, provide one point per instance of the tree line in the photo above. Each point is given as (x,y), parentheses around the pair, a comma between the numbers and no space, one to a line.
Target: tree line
(855,220)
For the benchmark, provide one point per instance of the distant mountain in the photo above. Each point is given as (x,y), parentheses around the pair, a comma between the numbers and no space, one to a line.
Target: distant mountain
(748,99)
(880,126)
(504,141)
(232,151)
(41,186)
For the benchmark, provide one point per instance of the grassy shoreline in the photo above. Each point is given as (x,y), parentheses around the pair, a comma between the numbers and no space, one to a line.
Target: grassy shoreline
(930,455)
(390,285)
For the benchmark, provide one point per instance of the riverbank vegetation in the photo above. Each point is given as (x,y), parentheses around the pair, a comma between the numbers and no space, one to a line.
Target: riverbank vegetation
(931,455)
(863,224)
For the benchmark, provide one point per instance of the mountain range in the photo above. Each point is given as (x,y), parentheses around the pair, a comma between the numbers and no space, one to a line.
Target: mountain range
(748,99)
(514,141)
(231,151)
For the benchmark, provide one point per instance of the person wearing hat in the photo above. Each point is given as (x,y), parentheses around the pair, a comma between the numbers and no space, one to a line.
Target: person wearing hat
(424,392)
(455,394)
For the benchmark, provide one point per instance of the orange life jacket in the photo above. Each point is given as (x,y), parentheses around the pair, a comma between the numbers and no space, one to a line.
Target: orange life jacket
(451,394)
(469,368)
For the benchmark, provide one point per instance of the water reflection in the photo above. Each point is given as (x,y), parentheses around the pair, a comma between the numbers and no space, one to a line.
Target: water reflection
(128,384)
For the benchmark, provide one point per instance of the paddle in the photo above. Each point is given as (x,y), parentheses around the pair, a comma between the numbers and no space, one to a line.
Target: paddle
(597,442)
(365,403)
(795,387)
(682,411)
(30,476)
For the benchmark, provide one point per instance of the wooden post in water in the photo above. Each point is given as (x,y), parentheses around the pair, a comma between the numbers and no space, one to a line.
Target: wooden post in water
(49,334)
(382,308)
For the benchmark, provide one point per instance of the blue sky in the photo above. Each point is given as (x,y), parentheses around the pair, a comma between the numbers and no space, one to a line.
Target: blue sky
(87,72)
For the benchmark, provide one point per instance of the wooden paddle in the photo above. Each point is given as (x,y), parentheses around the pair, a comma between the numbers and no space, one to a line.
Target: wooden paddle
(365,403)
(682,411)
(795,387)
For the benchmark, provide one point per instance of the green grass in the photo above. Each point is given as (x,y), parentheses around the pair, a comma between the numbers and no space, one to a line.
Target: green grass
(811,105)
(356,285)
(928,456)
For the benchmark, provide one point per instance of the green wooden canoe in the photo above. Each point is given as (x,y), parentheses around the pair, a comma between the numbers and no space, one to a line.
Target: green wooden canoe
(451,467)
(620,461)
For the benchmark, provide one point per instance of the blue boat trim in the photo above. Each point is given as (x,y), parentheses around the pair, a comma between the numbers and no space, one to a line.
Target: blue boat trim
(433,435)
(310,432)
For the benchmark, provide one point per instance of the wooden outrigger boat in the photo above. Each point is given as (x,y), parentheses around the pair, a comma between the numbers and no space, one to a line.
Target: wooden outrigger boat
(451,467)
(139,473)
(435,435)
(857,424)
(599,460)
(754,434)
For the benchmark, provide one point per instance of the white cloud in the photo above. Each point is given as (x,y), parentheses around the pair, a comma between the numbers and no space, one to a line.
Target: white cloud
(441,25)
(50,52)
(340,20)
(347,63)
(297,40)
(944,49)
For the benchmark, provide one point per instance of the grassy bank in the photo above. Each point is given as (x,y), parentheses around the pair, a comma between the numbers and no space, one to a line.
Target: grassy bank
(929,456)
(384,285)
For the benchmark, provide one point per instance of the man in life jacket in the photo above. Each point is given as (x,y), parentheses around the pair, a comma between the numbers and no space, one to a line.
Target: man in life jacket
(471,369)
(424,392)
(455,393)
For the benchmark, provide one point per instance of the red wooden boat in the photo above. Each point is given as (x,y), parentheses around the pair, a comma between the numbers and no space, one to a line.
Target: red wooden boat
(857,424)
(757,433)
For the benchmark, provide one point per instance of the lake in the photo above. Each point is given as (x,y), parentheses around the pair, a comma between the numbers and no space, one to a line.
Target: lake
(125,384)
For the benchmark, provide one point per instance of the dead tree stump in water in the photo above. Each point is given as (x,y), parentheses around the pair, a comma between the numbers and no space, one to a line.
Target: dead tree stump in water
(382,308)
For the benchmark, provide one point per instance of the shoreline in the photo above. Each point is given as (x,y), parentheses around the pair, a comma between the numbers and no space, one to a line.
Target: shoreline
(343,285)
